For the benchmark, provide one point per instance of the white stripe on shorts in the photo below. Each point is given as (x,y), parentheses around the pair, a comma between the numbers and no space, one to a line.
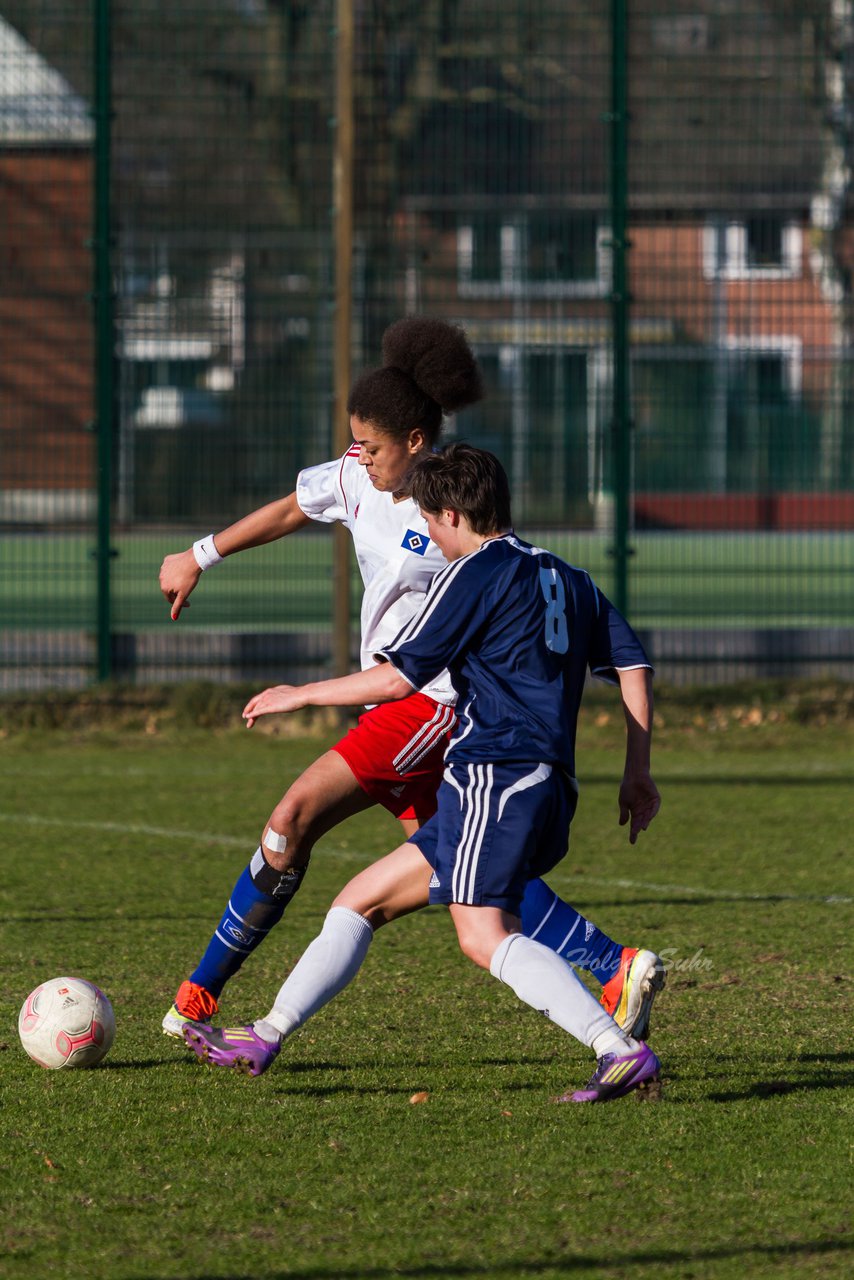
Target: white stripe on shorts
(468,805)
(424,739)
(478,796)
(540,774)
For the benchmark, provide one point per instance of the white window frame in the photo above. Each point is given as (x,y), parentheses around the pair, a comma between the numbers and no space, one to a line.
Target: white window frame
(513,282)
(787,346)
(735,265)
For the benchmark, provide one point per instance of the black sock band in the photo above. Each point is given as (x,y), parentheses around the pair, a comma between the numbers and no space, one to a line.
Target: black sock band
(281,885)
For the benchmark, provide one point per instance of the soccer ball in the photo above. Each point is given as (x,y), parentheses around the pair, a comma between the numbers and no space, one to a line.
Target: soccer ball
(66,1022)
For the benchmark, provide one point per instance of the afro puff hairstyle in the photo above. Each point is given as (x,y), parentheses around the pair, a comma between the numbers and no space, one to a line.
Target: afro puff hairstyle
(428,370)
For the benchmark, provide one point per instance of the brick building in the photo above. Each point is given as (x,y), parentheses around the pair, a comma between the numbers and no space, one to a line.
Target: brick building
(46,349)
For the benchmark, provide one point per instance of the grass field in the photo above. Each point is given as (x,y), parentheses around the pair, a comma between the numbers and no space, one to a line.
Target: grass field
(728,579)
(119,847)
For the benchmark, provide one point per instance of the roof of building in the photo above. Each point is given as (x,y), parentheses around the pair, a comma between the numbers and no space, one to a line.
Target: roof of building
(721,113)
(37,104)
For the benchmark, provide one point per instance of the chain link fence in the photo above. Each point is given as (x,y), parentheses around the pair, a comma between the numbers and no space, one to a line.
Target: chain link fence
(641,215)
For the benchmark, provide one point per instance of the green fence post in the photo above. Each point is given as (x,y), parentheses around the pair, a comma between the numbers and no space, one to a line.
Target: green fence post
(104,332)
(621,435)
(342,185)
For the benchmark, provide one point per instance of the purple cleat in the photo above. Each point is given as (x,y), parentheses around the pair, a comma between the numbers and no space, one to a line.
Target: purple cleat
(616,1075)
(237,1047)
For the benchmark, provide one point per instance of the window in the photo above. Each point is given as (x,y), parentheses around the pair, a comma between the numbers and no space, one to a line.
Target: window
(722,420)
(562,248)
(485,256)
(765,243)
(539,417)
(539,254)
(763,246)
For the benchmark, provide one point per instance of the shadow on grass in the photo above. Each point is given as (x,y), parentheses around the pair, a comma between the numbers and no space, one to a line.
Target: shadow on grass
(787,780)
(583,1263)
(378,1089)
(782,1059)
(48,917)
(699,899)
(416,1064)
(577,888)
(139,1064)
(775,1088)
(826,1057)
(188,1060)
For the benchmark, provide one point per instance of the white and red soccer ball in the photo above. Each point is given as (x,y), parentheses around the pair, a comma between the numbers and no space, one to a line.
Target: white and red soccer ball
(66,1022)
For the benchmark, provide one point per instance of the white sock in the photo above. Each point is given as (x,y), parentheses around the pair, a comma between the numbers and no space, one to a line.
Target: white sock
(325,967)
(547,984)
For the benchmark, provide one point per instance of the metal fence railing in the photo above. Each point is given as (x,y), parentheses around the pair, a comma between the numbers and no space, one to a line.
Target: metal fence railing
(640,213)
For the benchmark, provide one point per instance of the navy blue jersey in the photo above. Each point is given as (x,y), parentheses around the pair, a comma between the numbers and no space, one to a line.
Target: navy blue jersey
(518,629)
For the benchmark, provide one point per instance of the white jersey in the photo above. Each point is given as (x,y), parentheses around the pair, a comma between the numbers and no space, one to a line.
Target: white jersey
(397,559)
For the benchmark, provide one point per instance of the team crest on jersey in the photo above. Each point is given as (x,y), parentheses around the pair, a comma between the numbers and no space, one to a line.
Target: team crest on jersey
(417,542)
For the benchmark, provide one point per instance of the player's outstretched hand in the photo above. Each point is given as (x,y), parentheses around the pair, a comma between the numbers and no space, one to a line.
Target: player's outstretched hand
(282,697)
(178,577)
(639,801)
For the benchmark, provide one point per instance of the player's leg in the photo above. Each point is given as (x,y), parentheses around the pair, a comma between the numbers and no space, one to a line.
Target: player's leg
(412,735)
(539,978)
(630,977)
(479,871)
(558,925)
(363,768)
(393,886)
(490,937)
(324,795)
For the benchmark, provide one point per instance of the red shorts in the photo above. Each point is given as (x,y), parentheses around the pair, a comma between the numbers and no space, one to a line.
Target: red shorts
(396,752)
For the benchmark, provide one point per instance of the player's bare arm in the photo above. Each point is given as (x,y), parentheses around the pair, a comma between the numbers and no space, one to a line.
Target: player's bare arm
(639,798)
(381,683)
(180,573)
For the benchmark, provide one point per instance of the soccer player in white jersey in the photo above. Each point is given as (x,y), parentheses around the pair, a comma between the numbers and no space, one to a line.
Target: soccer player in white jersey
(394,755)
(518,629)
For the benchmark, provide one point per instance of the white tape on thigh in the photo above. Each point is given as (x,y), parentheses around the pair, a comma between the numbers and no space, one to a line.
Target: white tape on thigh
(274,842)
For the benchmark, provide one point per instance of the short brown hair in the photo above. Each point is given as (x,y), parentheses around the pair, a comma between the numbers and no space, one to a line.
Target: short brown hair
(465,479)
(428,370)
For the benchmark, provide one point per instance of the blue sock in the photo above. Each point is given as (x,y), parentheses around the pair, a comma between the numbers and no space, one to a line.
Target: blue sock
(557,925)
(248,918)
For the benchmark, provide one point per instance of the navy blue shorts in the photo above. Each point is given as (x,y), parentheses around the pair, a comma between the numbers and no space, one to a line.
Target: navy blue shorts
(497,827)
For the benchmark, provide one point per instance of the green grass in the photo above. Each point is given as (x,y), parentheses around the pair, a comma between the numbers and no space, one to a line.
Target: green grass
(727,579)
(118,850)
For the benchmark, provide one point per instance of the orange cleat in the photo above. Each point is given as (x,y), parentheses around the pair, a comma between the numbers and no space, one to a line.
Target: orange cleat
(629,995)
(193,1004)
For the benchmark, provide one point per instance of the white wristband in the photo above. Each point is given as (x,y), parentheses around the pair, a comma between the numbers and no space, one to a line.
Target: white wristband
(206,553)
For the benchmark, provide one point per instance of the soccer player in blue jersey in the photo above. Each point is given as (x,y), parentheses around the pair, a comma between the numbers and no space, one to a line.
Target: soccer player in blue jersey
(517,628)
